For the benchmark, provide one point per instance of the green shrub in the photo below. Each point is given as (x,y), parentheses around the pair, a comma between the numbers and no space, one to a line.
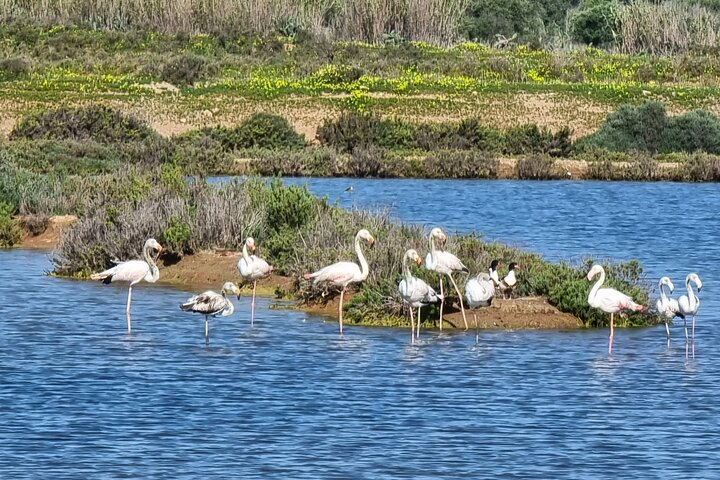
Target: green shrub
(10,232)
(349,130)
(14,68)
(96,122)
(698,130)
(596,23)
(631,128)
(262,130)
(481,137)
(177,235)
(185,70)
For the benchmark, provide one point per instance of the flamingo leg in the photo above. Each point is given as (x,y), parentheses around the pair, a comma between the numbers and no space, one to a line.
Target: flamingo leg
(442,300)
(342,293)
(207,331)
(127,309)
(686,332)
(612,333)
(462,307)
(418,324)
(693,329)
(252,305)
(667,330)
(477,328)
(412,325)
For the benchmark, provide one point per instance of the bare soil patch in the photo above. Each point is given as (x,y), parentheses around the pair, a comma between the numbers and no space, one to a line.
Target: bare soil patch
(49,239)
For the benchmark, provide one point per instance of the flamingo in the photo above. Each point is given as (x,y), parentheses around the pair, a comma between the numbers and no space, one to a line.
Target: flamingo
(479,292)
(668,308)
(509,282)
(133,271)
(212,304)
(341,274)
(608,300)
(690,303)
(444,263)
(253,268)
(414,291)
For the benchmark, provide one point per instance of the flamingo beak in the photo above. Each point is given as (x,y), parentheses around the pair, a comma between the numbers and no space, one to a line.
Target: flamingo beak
(418,260)
(159,248)
(371,240)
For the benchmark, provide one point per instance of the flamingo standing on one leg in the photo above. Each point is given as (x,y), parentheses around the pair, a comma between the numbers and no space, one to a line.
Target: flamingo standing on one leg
(415,292)
(133,271)
(608,300)
(212,304)
(479,292)
(253,268)
(341,274)
(667,307)
(444,263)
(690,303)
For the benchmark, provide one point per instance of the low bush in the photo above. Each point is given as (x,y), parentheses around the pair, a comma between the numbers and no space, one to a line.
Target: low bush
(537,167)
(260,130)
(10,232)
(185,70)
(34,224)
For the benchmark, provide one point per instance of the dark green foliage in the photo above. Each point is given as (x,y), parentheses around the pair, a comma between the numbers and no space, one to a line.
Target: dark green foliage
(532,139)
(474,134)
(14,68)
(185,70)
(10,232)
(96,122)
(698,130)
(349,130)
(177,235)
(260,130)
(597,22)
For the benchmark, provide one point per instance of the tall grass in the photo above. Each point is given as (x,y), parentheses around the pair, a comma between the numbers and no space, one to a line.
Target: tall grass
(435,21)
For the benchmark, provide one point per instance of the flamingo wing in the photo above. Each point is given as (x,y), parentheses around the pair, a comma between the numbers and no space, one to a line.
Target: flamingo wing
(207,303)
(479,290)
(131,271)
(684,307)
(611,301)
(340,274)
(448,263)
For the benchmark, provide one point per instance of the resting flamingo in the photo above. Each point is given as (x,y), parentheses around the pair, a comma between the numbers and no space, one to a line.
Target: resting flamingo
(608,300)
(479,292)
(667,307)
(690,303)
(509,282)
(212,304)
(341,274)
(444,263)
(415,292)
(133,271)
(252,268)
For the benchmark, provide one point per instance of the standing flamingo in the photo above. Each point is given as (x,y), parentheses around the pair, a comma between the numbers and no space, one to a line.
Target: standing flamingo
(444,263)
(509,282)
(341,274)
(690,303)
(667,307)
(133,271)
(479,292)
(415,292)
(212,304)
(608,300)
(253,268)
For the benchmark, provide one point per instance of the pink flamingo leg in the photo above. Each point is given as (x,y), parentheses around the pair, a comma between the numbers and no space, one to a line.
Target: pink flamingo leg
(127,309)
(612,333)
(412,325)
(477,328)
(693,330)
(418,323)
(207,331)
(252,305)
(686,332)
(342,293)
(442,300)
(462,307)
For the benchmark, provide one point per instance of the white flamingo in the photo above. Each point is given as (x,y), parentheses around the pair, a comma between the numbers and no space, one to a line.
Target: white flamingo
(212,304)
(444,263)
(667,307)
(608,300)
(253,268)
(133,271)
(690,303)
(509,282)
(341,274)
(415,292)
(479,292)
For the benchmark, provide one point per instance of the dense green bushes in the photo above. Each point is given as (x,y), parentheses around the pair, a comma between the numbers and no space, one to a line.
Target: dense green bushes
(10,232)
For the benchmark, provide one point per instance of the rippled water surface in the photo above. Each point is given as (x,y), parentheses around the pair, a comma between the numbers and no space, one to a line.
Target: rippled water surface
(289,398)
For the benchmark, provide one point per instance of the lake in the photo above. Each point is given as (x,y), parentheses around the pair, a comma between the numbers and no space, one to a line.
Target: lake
(289,398)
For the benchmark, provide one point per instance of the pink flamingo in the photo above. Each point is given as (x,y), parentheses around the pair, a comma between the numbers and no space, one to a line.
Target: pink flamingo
(133,271)
(341,274)
(444,263)
(690,303)
(212,304)
(253,268)
(415,292)
(608,300)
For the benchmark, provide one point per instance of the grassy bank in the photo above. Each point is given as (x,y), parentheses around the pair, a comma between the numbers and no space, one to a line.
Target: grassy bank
(297,233)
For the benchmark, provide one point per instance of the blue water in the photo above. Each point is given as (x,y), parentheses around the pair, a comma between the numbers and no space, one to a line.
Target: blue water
(289,398)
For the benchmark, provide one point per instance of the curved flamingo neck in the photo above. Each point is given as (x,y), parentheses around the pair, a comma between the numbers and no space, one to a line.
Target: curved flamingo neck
(154,270)
(692,298)
(597,285)
(433,251)
(663,295)
(406,270)
(229,308)
(364,269)
(245,253)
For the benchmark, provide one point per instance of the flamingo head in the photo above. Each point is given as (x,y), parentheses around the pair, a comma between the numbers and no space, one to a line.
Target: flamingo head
(693,277)
(367,236)
(438,234)
(594,271)
(152,244)
(668,282)
(413,255)
(250,244)
(230,287)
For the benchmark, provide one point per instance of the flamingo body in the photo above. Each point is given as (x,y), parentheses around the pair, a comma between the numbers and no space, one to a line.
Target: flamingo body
(690,303)
(253,268)
(444,263)
(415,292)
(212,304)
